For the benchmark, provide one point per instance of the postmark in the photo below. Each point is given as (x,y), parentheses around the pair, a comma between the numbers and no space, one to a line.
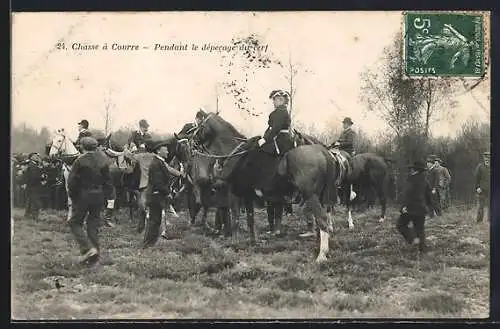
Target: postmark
(444,44)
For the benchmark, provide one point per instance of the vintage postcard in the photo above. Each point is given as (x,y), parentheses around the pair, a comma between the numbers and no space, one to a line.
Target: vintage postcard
(250,165)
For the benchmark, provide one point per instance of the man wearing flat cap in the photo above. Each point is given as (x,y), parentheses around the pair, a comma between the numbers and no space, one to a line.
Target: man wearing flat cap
(159,178)
(83,131)
(140,140)
(347,138)
(277,137)
(32,178)
(416,204)
(89,184)
(482,175)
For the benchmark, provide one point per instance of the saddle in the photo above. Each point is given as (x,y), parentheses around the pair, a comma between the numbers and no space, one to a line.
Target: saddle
(343,166)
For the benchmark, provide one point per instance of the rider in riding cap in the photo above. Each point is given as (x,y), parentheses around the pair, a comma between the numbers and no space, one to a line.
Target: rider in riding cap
(83,131)
(140,139)
(277,136)
(347,137)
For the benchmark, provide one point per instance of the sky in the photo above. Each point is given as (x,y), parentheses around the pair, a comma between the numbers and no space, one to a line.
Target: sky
(57,88)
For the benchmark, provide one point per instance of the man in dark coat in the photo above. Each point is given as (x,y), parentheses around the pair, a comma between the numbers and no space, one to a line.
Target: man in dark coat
(88,184)
(33,178)
(140,139)
(417,200)
(277,137)
(83,131)
(346,141)
(159,178)
(482,176)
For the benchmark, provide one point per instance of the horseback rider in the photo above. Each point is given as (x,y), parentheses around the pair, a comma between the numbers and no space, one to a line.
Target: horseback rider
(140,139)
(277,139)
(347,137)
(83,131)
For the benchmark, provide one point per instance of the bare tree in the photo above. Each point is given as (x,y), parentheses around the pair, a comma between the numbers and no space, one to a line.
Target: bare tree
(108,108)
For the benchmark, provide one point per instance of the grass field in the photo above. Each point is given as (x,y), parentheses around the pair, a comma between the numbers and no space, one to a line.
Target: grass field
(370,273)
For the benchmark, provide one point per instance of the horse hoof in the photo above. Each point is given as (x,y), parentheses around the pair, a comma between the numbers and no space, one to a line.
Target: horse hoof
(381,220)
(321,259)
(351,227)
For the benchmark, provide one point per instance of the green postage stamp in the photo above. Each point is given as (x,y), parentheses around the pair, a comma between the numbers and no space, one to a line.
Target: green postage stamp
(444,44)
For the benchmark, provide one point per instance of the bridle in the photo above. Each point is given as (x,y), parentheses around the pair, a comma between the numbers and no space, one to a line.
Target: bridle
(202,150)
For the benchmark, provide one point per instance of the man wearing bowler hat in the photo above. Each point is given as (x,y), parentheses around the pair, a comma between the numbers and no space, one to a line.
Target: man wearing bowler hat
(417,200)
(83,131)
(159,178)
(482,176)
(347,137)
(89,183)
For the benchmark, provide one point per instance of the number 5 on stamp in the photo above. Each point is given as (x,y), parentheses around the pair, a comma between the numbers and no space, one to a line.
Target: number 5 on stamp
(444,44)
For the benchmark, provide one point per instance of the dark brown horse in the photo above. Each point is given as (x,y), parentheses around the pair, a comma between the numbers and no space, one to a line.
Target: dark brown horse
(365,171)
(248,169)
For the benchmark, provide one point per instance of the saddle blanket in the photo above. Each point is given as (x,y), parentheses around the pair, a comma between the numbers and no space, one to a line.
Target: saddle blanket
(343,164)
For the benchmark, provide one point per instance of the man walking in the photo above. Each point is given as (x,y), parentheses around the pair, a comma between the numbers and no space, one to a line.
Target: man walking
(417,200)
(483,186)
(88,184)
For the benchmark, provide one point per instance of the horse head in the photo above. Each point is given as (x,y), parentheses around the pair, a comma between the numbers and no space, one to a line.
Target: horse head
(62,145)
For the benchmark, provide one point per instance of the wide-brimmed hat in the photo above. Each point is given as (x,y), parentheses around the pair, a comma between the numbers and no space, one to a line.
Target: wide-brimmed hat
(156,145)
(431,158)
(84,123)
(348,120)
(143,123)
(487,154)
(279,92)
(89,143)
(418,165)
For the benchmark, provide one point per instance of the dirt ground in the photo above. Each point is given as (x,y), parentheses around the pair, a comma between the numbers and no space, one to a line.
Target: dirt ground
(370,272)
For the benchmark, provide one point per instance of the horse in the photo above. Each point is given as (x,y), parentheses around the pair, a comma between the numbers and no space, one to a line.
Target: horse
(249,171)
(62,147)
(365,171)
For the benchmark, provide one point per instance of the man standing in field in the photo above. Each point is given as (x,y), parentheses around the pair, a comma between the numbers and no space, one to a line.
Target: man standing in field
(439,178)
(417,200)
(483,186)
(88,184)
(159,178)
(32,179)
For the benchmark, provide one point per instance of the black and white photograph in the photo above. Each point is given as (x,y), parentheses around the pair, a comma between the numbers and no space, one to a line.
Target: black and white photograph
(250,165)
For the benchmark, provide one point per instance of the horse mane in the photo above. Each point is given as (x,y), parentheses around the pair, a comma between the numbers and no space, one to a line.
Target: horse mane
(228,125)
